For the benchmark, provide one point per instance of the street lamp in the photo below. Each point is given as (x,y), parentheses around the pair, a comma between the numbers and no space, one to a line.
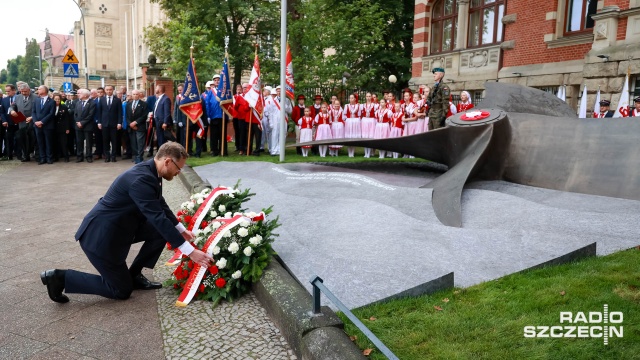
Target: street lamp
(84,38)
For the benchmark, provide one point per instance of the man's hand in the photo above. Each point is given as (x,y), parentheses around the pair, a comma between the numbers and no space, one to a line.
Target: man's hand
(29,119)
(134,124)
(38,124)
(14,114)
(188,235)
(164,126)
(5,124)
(79,125)
(201,258)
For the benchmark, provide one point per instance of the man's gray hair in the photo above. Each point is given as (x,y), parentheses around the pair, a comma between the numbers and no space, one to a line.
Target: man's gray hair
(22,85)
(83,91)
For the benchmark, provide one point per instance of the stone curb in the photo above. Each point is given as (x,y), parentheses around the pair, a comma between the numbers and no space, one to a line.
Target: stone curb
(288,303)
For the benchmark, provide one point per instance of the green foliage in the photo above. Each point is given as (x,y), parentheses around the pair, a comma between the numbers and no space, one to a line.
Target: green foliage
(487,321)
(28,68)
(371,39)
(4,74)
(244,21)
(13,69)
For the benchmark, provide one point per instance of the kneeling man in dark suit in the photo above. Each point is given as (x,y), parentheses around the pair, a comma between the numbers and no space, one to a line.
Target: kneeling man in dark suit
(133,210)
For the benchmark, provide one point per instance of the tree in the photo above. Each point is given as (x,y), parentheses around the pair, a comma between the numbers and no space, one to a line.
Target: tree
(206,23)
(28,68)
(13,69)
(4,74)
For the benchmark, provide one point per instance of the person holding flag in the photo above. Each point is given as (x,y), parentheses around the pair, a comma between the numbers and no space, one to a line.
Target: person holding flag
(214,115)
(253,96)
(191,104)
(225,98)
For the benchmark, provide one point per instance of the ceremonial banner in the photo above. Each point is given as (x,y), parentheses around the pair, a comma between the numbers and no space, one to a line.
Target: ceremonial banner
(190,104)
(596,106)
(561,93)
(254,95)
(289,85)
(582,110)
(224,89)
(623,104)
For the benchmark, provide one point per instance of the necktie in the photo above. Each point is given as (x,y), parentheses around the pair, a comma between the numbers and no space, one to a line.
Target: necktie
(134,104)
(42,102)
(109,101)
(83,103)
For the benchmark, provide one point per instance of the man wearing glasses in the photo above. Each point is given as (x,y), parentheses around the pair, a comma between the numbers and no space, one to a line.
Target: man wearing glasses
(133,210)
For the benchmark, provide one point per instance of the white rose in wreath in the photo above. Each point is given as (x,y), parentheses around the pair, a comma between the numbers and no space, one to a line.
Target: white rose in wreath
(216,224)
(237,274)
(227,215)
(245,223)
(222,208)
(191,205)
(248,251)
(200,201)
(233,247)
(213,213)
(227,234)
(216,250)
(254,241)
(221,263)
(242,232)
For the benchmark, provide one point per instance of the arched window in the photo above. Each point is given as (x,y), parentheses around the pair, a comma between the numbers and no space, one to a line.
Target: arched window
(485,22)
(443,26)
(578,15)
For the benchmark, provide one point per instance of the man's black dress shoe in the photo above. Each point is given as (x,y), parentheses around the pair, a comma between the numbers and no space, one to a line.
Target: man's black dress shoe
(79,160)
(54,280)
(107,160)
(113,159)
(142,283)
(89,160)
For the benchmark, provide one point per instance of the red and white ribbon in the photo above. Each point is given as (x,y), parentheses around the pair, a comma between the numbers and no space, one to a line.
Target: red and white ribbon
(204,208)
(198,272)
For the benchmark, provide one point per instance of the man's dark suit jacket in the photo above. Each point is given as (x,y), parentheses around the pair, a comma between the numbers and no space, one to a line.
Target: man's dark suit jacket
(139,114)
(44,113)
(609,114)
(85,116)
(162,114)
(6,106)
(135,197)
(110,116)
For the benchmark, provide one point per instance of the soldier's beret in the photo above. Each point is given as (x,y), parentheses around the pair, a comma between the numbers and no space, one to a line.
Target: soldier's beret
(438,69)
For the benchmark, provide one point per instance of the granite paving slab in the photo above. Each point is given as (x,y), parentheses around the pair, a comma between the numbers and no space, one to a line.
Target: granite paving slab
(371,234)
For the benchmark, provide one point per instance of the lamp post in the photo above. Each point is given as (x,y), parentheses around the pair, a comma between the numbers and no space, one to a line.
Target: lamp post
(39,64)
(84,38)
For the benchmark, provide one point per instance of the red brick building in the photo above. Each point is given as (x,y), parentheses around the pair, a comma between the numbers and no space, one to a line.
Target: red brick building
(540,43)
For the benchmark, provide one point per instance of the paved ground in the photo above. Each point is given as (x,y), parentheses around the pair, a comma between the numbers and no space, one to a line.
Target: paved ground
(40,210)
(370,231)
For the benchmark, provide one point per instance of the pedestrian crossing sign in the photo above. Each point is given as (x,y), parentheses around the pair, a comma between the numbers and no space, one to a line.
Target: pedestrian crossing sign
(70,58)
(70,70)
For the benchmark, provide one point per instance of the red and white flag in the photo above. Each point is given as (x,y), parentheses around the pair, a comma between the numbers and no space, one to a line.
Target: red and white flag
(289,85)
(623,105)
(254,95)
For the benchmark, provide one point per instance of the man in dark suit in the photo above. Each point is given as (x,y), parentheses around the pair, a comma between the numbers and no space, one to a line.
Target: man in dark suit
(45,125)
(180,119)
(70,102)
(137,118)
(7,123)
(24,104)
(162,114)
(133,210)
(84,125)
(110,115)
(96,94)
(151,123)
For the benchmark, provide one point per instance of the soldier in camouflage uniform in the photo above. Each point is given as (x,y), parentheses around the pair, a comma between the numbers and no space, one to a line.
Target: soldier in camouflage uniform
(438,101)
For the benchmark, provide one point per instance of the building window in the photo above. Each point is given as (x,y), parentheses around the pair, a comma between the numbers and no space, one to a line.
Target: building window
(578,15)
(443,26)
(485,22)
(550,89)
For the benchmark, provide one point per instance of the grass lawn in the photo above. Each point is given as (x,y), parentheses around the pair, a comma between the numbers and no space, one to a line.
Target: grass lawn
(487,321)
(290,157)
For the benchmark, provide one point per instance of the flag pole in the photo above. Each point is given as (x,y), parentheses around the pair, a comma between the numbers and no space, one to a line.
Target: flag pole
(224,114)
(188,134)
(283,66)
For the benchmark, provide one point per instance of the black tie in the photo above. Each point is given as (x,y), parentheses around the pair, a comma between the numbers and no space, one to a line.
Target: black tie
(109,101)
(84,102)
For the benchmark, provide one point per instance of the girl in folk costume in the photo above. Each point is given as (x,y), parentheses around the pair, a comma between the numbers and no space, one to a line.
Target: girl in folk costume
(368,121)
(409,108)
(306,130)
(424,93)
(452,108)
(337,126)
(419,112)
(383,118)
(352,115)
(465,101)
(323,131)
(397,118)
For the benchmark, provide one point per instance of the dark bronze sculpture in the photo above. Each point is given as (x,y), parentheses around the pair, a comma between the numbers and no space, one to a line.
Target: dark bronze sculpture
(526,136)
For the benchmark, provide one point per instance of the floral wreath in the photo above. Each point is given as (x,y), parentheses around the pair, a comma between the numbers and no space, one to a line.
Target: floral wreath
(239,241)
